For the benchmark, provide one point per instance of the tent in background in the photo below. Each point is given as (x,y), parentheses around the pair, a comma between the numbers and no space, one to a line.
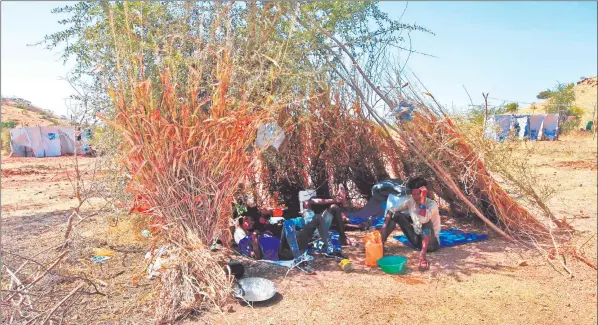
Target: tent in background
(48,141)
(533,127)
(550,127)
(498,127)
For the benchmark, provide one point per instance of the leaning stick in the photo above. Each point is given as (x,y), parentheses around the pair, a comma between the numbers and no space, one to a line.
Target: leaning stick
(433,165)
(61,302)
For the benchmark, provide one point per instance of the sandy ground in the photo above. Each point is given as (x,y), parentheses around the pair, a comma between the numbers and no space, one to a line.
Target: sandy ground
(480,283)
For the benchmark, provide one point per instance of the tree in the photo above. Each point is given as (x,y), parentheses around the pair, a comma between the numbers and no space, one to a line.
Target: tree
(561,99)
(477,113)
(512,108)
(268,27)
(544,94)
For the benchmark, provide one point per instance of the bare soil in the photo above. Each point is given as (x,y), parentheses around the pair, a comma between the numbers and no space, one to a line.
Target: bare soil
(490,282)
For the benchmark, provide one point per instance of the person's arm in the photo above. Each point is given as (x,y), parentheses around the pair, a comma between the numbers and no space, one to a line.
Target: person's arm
(256,250)
(401,207)
(323,201)
(426,235)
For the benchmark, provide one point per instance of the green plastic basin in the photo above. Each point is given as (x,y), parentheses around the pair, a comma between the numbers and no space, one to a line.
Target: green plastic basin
(392,264)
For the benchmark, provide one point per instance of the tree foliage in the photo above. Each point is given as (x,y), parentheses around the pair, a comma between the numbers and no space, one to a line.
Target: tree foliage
(477,113)
(512,108)
(544,94)
(561,99)
(173,33)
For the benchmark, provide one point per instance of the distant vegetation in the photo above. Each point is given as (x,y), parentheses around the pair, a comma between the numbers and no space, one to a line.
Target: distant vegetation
(560,101)
(512,108)
(10,124)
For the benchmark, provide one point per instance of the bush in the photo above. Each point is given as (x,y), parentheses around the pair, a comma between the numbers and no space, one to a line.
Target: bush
(568,126)
(5,140)
(512,108)
(10,124)
(544,94)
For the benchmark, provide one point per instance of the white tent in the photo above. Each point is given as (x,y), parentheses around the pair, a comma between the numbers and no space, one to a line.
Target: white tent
(550,127)
(498,127)
(47,141)
(533,127)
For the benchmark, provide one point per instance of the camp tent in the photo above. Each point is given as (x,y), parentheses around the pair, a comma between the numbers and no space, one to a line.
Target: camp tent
(48,141)
(533,127)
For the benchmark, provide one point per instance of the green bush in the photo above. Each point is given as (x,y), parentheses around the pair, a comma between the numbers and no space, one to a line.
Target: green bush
(10,124)
(512,108)
(572,125)
(5,140)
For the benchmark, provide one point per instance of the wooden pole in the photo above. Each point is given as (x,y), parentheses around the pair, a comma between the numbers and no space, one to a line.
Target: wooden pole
(485,110)
(439,170)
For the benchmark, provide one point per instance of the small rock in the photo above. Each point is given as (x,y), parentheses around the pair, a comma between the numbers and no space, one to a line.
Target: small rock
(523,263)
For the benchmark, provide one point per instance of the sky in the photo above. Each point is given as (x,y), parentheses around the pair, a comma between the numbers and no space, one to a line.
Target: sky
(511,50)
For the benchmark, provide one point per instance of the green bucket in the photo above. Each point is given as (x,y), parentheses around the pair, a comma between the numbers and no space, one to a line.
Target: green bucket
(392,264)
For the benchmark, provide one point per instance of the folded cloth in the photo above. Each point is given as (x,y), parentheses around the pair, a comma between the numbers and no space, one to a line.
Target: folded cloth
(450,237)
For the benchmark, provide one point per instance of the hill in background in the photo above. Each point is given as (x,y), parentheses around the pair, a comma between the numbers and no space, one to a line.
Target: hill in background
(586,96)
(18,112)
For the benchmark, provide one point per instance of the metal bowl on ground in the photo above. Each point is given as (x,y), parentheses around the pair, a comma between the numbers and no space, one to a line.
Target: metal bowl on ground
(255,289)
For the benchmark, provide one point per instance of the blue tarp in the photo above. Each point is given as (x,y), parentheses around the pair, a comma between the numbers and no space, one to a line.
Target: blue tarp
(450,237)
(378,220)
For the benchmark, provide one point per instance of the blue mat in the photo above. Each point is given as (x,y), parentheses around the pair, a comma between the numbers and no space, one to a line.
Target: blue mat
(270,245)
(450,237)
(378,221)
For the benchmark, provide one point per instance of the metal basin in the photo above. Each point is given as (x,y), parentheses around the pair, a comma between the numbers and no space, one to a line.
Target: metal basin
(255,289)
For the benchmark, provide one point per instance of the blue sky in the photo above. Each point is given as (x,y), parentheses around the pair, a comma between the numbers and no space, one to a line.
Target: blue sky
(512,50)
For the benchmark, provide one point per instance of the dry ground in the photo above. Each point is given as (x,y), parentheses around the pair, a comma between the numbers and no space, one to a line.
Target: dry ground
(479,283)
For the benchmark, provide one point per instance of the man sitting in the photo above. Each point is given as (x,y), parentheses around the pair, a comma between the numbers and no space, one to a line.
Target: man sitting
(291,244)
(332,213)
(421,225)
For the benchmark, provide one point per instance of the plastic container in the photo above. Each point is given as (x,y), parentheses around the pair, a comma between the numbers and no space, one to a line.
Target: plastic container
(373,248)
(346,265)
(392,264)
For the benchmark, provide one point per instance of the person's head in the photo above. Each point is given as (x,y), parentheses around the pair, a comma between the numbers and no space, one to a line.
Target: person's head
(246,223)
(414,185)
(251,202)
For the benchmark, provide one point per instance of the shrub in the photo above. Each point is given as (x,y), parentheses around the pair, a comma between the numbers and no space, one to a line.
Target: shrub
(5,140)
(10,124)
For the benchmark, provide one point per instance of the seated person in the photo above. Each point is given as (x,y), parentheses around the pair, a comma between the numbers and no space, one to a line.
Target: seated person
(332,213)
(291,244)
(421,224)
(260,219)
